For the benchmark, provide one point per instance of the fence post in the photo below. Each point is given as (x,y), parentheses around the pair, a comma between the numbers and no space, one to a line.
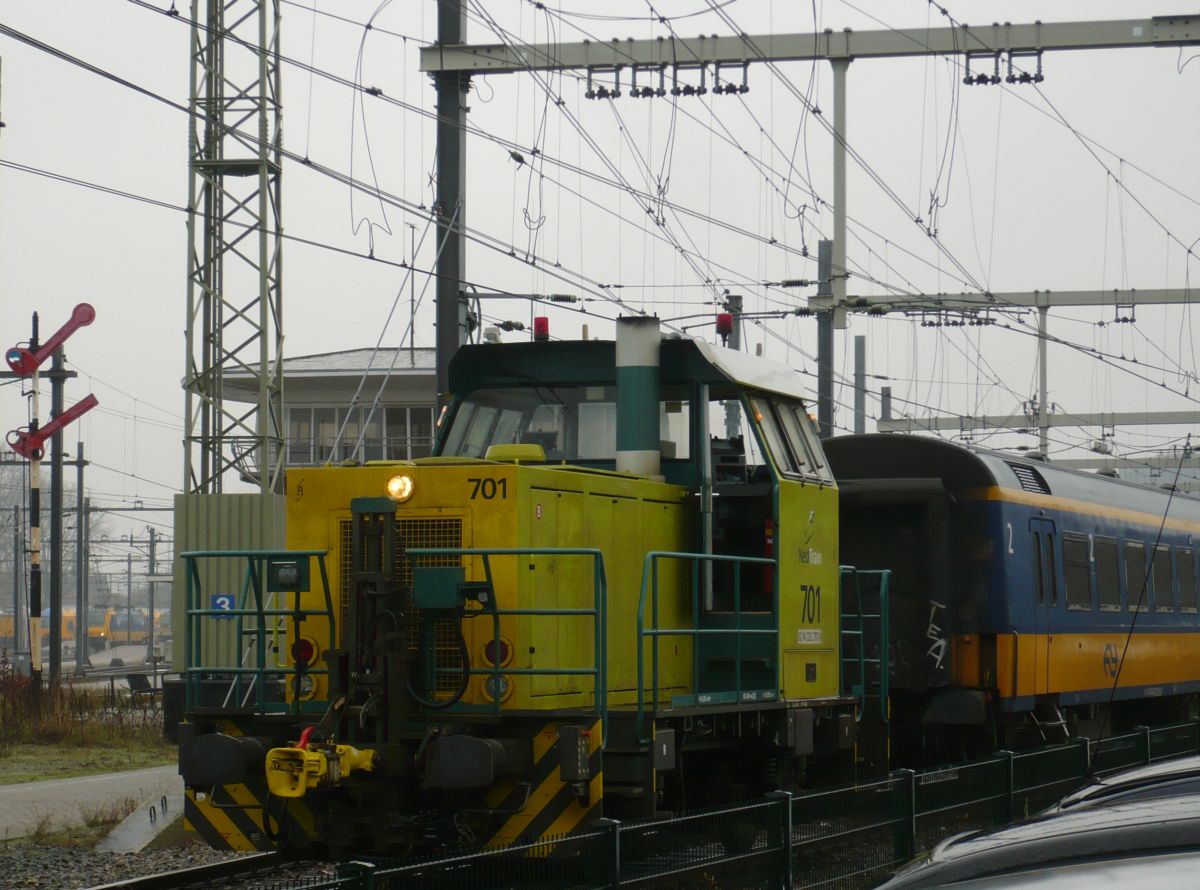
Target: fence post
(784,825)
(356,875)
(1085,747)
(611,852)
(904,805)
(1145,733)
(1011,795)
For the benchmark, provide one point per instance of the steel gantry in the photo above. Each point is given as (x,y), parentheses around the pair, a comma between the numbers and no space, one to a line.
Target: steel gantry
(984,44)
(234,287)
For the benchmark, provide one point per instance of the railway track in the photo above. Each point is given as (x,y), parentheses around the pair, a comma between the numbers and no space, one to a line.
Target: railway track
(261,865)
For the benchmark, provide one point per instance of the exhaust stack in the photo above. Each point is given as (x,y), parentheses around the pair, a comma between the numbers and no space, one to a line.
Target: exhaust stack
(638,343)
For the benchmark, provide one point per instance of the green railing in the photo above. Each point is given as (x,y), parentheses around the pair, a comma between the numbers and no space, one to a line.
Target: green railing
(649,590)
(857,633)
(598,671)
(254,618)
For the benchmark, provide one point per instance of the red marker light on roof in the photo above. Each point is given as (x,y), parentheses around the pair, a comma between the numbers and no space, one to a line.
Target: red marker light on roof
(541,328)
(724,325)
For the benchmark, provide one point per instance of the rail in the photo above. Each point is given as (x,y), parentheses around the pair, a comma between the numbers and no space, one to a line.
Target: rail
(599,668)
(203,875)
(252,610)
(695,632)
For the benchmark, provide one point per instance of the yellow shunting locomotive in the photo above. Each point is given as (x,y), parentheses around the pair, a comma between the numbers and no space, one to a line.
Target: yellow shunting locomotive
(613,591)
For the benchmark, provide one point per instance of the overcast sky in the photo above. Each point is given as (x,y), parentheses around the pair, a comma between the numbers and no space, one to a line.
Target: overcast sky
(1088,181)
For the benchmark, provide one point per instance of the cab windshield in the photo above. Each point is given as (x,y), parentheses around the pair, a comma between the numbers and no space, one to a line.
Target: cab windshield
(572,423)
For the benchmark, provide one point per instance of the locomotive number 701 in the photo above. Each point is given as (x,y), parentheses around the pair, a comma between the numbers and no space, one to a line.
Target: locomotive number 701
(488,488)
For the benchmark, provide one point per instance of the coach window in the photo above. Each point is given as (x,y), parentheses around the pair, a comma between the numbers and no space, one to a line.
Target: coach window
(1164,596)
(1136,592)
(1051,574)
(1186,570)
(1108,579)
(1076,571)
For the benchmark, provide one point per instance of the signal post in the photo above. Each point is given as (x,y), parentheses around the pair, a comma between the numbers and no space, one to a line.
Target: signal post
(28,442)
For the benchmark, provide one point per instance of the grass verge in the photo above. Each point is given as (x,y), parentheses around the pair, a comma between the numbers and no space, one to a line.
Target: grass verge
(67,732)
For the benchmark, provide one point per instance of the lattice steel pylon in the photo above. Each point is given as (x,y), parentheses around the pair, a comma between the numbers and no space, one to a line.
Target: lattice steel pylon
(234,288)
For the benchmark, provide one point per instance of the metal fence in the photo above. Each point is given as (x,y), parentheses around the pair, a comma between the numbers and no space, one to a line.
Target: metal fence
(839,838)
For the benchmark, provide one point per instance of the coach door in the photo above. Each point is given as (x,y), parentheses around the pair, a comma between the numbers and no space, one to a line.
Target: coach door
(1045,599)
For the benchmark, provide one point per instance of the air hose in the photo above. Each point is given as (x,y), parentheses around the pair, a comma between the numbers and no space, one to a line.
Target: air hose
(465,655)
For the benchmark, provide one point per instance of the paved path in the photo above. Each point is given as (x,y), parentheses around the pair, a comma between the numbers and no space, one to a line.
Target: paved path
(63,802)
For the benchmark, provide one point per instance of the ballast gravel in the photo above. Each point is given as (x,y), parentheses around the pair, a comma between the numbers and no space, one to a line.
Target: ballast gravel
(26,866)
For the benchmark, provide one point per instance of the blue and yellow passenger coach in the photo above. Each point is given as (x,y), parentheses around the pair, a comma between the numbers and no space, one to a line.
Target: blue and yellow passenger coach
(1029,601)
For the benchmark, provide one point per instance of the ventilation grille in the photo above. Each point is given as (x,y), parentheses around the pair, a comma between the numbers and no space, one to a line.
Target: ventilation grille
(440,532)
(1030,479)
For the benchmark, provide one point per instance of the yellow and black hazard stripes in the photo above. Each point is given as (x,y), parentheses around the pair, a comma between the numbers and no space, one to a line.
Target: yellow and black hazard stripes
(222,821)
(540,804)
(230,817)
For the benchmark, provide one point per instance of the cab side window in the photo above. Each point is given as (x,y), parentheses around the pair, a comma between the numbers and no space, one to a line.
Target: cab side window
(802,436)
(780,449)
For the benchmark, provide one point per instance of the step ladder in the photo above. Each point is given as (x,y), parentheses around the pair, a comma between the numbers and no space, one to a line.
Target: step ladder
(1054,723)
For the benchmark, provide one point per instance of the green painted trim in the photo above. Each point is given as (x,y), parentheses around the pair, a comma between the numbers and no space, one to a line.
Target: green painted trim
(372,505)
(637,408)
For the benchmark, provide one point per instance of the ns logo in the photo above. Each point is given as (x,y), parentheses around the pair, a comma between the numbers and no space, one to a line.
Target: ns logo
(1112,659)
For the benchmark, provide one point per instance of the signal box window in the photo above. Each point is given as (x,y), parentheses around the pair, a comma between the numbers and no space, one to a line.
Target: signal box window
(1136,583)
(1164,596)
(1108,579)
(1186,569)
(1076,571)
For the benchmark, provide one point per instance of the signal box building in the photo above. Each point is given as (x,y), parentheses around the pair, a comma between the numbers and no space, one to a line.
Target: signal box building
(320,400)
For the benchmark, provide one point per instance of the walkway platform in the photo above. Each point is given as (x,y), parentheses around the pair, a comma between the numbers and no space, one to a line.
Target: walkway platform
(64,803)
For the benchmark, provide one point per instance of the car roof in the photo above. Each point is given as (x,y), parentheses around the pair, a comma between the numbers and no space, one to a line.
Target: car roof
(1092,834)
(1153,779)
(1163,871)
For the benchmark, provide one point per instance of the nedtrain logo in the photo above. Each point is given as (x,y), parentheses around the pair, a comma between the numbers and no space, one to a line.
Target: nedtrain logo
(1112,661)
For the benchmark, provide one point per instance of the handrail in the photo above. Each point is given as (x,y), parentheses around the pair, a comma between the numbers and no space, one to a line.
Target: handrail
(251,605)
(599,670)
(860,690)
(650,579)
(882,617)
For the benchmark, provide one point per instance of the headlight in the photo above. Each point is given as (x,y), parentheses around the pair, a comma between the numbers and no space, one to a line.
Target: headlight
(497,688)
(400,488)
